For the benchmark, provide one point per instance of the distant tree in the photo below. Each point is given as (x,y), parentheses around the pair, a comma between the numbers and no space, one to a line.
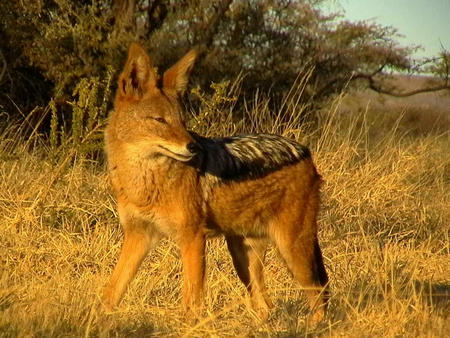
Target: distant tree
(47,46)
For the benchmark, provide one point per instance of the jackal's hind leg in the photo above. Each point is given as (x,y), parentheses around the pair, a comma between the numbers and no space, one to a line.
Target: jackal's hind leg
(248,259)
(304,259)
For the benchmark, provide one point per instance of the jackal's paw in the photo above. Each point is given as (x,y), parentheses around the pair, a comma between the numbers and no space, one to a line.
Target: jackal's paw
(106,304)
(192,314)
(260,315)
(261,308)
(316,317)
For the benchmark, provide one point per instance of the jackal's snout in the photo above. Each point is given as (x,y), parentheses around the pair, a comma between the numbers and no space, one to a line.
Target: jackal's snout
(183,153)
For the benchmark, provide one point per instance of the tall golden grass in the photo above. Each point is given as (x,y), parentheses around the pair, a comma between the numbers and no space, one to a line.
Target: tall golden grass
(384,229)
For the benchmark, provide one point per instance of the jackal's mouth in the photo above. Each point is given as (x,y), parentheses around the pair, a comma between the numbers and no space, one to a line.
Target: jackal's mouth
(177,156)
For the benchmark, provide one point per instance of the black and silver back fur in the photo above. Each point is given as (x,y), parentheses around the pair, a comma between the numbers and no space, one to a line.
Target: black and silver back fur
(247,156)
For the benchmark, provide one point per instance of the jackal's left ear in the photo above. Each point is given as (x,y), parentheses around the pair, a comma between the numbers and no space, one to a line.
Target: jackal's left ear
(138,74)
(177,76)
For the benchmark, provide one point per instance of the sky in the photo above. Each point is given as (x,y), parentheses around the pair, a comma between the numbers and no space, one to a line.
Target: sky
(422,22)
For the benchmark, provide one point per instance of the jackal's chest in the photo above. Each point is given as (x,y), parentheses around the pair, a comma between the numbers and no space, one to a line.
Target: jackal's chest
(144,182)
(134,184)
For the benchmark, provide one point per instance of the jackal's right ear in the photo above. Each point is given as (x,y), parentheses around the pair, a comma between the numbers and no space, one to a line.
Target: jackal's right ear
(138,74)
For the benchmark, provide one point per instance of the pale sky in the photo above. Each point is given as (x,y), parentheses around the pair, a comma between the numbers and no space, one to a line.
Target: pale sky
(422,22)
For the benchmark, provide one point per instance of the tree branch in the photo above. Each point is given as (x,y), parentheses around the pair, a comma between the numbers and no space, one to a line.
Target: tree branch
(376,86)
(156,14)
(124,14)
(213,25)
(5,66)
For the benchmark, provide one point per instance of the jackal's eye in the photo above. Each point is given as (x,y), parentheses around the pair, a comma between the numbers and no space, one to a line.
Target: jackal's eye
(159,119)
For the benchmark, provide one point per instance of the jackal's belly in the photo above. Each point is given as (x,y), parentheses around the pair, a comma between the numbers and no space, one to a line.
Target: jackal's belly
(247,208)
(249,223)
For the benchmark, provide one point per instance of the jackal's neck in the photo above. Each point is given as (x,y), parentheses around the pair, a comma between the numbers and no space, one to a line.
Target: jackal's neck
(148,180)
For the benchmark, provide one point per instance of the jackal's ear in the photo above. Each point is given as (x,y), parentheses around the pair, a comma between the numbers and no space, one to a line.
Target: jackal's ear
(177,76)
(138,74)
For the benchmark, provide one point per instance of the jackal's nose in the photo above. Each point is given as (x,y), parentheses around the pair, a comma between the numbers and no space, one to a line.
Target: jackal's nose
(193,147)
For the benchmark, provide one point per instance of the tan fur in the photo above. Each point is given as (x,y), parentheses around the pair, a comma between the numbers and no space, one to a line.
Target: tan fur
(161,192)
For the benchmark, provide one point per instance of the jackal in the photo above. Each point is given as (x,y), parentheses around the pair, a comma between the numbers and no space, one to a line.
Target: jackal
(170,182)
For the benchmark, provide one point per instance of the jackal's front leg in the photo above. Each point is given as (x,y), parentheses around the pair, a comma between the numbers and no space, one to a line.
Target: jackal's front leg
(192,246)
(134,249)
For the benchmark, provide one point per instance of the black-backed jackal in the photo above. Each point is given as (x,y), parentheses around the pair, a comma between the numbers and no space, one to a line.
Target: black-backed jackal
(170,182)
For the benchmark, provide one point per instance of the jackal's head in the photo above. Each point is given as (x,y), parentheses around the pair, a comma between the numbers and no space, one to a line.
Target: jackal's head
(147,113)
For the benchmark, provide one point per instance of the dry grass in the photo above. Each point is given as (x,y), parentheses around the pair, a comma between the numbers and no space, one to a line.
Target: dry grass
(384,233)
